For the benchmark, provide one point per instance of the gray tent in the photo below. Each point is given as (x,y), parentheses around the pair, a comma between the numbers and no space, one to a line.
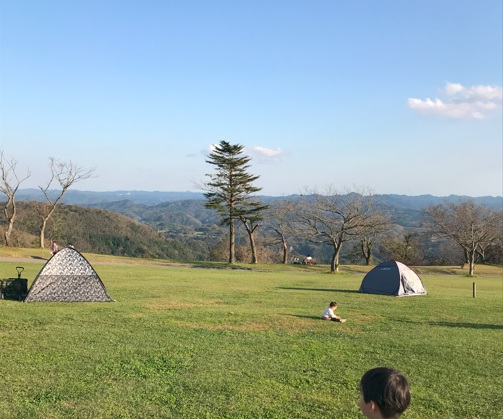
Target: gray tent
(392,278)
(69,277)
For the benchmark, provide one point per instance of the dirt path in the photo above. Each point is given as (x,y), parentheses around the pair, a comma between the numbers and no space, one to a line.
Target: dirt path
(30,260)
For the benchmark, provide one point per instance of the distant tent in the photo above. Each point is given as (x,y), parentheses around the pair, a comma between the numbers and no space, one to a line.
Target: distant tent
(392,278)
(68,277)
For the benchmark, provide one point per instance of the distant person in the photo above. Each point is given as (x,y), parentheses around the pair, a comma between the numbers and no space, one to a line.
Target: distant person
(71,246)
(328,313)
(385,393)
(54,248)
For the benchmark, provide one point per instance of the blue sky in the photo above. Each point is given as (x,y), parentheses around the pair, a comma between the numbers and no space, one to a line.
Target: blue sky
(393,96)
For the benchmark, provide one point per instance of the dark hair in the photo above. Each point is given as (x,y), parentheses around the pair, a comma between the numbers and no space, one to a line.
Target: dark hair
(332,303)
(388,388)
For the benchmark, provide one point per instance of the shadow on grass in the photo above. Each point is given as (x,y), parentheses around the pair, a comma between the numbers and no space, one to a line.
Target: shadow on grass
(453,324)
(468,325)
(38,257)
(318,289)
(306,317)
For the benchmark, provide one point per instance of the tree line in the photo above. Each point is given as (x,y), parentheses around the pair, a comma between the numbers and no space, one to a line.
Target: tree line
(96,230)
(332,219)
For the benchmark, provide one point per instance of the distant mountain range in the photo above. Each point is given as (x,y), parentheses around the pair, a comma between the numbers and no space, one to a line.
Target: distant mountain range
(174,225)
(75,197)
(91,198)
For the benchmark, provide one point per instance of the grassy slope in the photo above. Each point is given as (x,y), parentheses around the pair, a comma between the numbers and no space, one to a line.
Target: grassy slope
(184,342)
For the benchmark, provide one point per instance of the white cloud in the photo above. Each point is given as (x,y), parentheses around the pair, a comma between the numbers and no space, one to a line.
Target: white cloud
(479,92)
(268,152)
(453,88)
(257,153)
(208,150)
(461,102)
(264,155)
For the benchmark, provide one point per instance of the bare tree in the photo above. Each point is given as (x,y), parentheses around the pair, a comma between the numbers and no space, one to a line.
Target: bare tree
(371,231)
(494,254)
(279,219)
(474,227)
(405,247)
(65,174)
(251,224)
(334,218)
(9,185)
(444,251)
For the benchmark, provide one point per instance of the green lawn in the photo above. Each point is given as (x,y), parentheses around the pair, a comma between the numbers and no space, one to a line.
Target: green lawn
(187,342)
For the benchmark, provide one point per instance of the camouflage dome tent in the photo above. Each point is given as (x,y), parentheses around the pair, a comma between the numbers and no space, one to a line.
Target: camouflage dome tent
(67,277)
(392,278)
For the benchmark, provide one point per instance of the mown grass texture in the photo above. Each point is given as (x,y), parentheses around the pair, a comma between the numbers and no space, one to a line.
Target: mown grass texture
(217,343)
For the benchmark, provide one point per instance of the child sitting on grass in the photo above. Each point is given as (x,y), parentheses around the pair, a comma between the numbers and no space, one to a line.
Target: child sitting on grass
(329,314)
(385,393)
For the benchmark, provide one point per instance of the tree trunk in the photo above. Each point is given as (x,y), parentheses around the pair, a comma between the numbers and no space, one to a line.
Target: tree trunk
(285,252)
(252,247)
(366,251)
(11,217)
(42,233)
(232,243)
(250,229)
(8,232)
(45,220)
(334,262)
(471,262)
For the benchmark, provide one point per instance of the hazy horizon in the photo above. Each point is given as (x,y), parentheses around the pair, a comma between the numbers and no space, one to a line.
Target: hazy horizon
(259,193)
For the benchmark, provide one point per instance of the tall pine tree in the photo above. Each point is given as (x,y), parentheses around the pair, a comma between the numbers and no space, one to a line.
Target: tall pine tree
(230,190)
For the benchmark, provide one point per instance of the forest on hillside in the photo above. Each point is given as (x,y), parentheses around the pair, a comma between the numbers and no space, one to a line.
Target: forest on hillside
(186,230)
(100,231)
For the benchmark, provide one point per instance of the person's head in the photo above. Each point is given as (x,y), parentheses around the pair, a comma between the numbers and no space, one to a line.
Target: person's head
(385,393)
(333,305)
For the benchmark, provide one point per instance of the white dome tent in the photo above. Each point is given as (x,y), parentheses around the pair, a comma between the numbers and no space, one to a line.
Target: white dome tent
(392,278)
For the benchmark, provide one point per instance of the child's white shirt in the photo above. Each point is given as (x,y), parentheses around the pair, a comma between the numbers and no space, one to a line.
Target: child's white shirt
(328,313)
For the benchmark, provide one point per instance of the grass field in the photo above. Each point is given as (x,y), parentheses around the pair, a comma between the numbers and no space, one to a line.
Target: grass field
(194,342)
